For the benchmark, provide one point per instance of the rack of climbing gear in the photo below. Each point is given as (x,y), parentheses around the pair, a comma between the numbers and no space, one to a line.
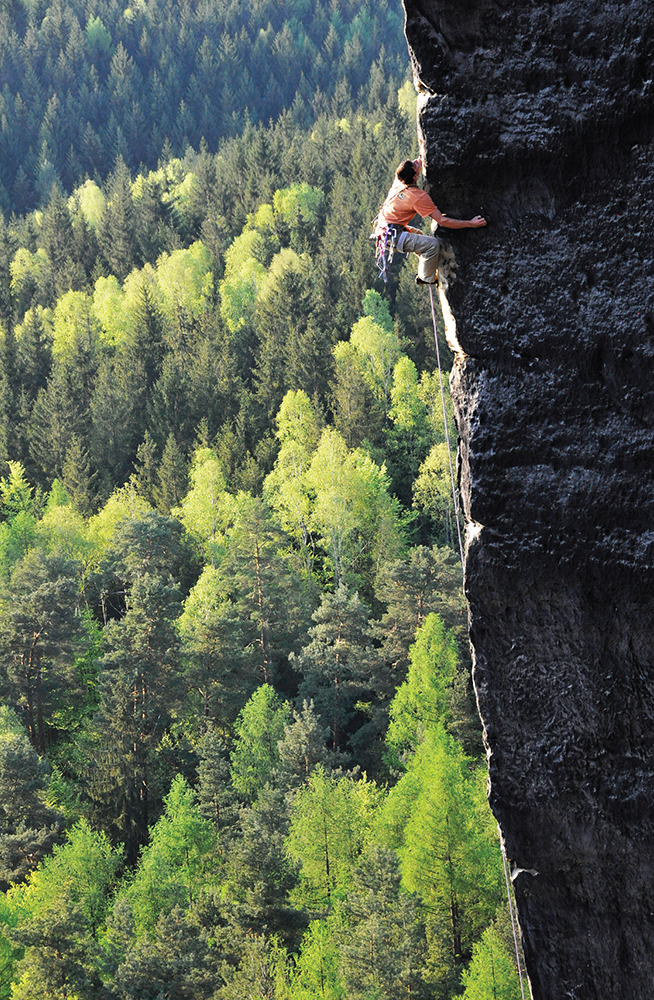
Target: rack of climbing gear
(509,895)
(385,244)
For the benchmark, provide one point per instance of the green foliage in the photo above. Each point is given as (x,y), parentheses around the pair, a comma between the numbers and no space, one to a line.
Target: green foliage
(59,912)
(286,487)
(207,508)
(258,730)
(176,956)
(492,973)
(214,427)
(139,689)
(438,820)
(432,489)
(300,57)
(243,277)
(422,700)
(336,664)
(317,969)
(330,827)
(28,825)
(384,950)
(175,865)
(354,516)
(9,954)
(39,629)
(213,634)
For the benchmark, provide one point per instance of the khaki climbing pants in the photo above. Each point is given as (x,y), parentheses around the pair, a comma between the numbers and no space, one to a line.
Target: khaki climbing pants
(428,249)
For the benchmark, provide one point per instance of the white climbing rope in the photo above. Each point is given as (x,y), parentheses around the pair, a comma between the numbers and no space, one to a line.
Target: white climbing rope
(458,528)
(511,913)
(447,431)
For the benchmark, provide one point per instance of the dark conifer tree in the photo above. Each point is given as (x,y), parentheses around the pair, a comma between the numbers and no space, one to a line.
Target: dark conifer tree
(175,961)
(336,665)
(386,950)
(39,631)
(139,687)
(33,353)
(116,228)
(172,477)
(28,826)
(77,477)
(58,240)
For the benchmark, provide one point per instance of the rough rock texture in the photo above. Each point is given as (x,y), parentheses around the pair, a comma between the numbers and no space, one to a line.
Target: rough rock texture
(541,117)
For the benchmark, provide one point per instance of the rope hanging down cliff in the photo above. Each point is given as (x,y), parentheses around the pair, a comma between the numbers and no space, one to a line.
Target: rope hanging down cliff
(514,922)
(447,430)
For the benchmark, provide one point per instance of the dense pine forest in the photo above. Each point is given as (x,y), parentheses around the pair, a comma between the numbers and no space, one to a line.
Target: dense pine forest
(239,752)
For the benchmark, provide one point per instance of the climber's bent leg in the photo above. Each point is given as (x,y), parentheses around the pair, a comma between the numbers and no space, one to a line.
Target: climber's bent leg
(428,248)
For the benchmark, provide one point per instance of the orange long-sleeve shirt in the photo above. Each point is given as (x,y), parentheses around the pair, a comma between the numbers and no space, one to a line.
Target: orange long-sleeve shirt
(402,203)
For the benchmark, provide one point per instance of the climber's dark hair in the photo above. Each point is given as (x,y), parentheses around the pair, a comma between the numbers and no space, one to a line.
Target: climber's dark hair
(406,172)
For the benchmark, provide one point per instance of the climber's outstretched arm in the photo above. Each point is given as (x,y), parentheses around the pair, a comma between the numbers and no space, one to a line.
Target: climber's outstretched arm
(448,223)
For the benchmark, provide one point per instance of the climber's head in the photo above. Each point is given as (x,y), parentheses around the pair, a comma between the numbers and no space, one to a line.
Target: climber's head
(407,172)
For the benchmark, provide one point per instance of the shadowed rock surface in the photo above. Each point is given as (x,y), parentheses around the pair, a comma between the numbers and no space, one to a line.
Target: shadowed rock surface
(540,116)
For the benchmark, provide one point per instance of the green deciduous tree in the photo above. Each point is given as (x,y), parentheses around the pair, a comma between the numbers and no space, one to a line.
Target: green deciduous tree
(438,819)
(354,516)
(378,350)
(432,491)
(286,488)
(207,508)
(316,972)
(492,973)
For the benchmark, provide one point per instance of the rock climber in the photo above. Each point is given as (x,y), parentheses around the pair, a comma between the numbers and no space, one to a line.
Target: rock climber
(392,230)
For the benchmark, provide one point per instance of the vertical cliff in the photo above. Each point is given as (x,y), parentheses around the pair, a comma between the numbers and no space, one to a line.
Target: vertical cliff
(541,117)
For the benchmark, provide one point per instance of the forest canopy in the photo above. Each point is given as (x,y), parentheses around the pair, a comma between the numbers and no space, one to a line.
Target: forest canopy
(85,83)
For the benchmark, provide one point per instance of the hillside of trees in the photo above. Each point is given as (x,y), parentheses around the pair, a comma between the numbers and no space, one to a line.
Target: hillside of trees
(83,83)
(239,752)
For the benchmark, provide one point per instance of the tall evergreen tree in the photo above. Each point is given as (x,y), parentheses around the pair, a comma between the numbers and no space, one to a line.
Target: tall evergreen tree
(116,226)
(28,826)
(385,950)
(336,666)
(139,688)
(39,629)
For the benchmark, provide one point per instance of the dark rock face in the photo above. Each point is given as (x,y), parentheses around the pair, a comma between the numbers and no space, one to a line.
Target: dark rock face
(540,116)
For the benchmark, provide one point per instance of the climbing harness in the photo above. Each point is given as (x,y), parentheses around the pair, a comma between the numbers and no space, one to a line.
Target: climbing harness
(458,528)
(385,246)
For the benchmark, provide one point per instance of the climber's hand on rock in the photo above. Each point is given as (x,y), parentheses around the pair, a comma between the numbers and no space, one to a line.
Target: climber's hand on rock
(477,221)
